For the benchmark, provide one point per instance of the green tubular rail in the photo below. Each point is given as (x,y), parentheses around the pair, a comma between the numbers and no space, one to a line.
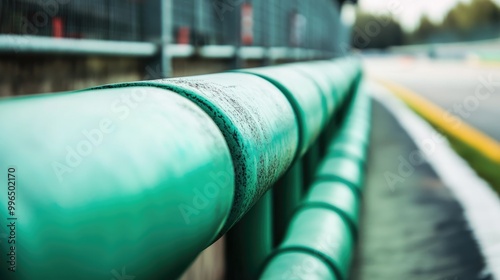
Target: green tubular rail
(338,79)
(258,124)
(111,185)
(253,228)
(343,169)
(298,265)
(343,75)
(347,164)
(323,83)
(332,98)
(308,88)
(310,164)
(307,100)
(322,233)
(103,185)
(315,113)
(261,130)
(287,194)
(337,197)
(250,241)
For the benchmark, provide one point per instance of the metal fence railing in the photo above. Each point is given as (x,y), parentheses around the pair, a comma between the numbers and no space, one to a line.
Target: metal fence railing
(90,19)
(267,23)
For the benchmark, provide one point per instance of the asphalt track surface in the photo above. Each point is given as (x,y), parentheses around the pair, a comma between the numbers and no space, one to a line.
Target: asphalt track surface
(415,230)
(467,89)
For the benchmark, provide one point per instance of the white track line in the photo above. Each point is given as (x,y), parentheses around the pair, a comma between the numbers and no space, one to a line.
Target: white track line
(480,203)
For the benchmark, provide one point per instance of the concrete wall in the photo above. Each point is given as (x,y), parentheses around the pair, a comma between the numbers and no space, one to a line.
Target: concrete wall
(24,74)
(30,74)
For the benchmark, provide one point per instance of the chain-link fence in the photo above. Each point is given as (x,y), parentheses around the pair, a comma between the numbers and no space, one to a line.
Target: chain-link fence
(280,23)
(89,19)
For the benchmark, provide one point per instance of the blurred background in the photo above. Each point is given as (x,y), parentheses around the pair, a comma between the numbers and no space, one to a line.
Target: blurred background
(57,45)
(429,22)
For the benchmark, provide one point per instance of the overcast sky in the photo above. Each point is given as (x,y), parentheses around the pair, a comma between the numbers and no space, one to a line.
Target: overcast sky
(408,12)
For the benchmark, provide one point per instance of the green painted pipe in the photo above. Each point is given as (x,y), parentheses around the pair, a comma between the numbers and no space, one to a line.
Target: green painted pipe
(335,77)
(338,197)
(242,235)
(355,130)
(108,186)
(342,73)
(329,132)
(323,83)
(287,194)
(331,196)
(342,169)
(324,139)
(297,265)
(359,112)
(321,236)
(356,124)
(322,233)
(250,241)
(346,157)
(359,98)
(122,214)
(356,134)
(310,162)
(331,96)
(345,147)
(258,124)
(307,100)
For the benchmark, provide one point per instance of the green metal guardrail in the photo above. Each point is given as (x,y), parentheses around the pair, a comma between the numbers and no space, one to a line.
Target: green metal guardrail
(320,238)
(100,187)
(145,175)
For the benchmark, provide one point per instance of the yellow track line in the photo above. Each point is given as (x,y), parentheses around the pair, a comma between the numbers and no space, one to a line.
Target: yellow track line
(436,116)
(488,64)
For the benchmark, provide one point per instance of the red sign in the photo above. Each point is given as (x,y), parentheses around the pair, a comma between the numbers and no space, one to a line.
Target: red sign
(183,35)
(57,27)
(246,24)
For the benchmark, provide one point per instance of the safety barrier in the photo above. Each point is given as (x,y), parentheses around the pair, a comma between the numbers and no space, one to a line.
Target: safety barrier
(320,237)
(145,175)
